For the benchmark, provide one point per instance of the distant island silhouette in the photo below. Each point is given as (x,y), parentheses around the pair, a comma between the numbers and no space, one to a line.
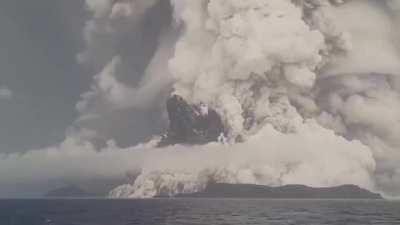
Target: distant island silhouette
(69,192)
(222,190)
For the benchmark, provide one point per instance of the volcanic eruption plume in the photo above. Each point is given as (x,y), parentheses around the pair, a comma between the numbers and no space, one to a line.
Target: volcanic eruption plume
(297,84)
(287,78)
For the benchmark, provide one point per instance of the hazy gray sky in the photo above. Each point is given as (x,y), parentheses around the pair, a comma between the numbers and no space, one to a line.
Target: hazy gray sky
(39,45)
(39,41)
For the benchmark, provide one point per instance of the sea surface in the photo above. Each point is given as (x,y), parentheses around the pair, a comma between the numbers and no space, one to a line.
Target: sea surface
(198,211)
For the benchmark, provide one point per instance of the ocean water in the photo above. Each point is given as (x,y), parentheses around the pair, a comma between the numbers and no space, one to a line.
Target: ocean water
(198,211)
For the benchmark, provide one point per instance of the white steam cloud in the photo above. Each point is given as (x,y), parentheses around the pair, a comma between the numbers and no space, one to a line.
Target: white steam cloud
(310,86)
(5,92)
(283,159)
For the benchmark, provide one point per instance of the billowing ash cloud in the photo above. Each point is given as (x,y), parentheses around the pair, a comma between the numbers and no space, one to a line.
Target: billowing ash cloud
(307,89)
(270,158)
(287,64)
(128,43)
(5,92)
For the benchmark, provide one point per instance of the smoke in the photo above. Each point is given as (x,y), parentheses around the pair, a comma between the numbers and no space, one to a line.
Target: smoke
(309,87)
(5,93)
(287,159)
(283,159)
(111,20)
(280,63)
(128,43)
(374,44)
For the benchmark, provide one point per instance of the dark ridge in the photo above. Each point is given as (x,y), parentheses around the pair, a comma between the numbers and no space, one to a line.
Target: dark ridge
(215,190)
(69,192)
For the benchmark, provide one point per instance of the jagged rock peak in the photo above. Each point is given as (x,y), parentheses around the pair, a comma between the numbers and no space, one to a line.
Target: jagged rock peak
(191,124)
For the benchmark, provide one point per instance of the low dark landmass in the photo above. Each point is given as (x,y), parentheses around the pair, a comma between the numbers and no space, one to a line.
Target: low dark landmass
(87,188)
(285,192)
(70,192)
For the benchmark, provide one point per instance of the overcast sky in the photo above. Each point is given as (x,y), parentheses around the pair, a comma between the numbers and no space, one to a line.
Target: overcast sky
(41,80)
(39,75)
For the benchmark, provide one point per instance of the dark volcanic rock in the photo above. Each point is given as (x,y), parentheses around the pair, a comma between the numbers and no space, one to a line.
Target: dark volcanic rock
(214,190)
(191,124)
